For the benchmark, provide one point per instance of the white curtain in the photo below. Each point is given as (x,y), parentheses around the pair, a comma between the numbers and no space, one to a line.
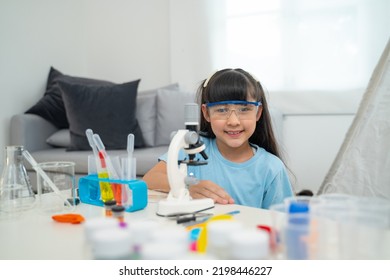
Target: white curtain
(296,48)
(307,44)
(363,163)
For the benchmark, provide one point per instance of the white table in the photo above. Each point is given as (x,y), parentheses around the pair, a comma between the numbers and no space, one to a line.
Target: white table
(34,235)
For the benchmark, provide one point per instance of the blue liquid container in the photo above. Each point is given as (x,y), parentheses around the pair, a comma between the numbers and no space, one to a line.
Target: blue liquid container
(89,191)
(297,231)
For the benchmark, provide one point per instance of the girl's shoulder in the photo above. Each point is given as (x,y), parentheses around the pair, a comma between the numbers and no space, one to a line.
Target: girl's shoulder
(267,157)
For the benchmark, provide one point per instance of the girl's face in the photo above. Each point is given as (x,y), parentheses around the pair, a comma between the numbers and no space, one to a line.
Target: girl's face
(232,127)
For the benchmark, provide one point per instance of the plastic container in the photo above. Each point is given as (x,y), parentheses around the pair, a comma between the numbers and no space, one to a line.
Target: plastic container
(218,235)
(158,250)
(249,244)
(142,232)
(166,243)
(89,191)
(95,224)
(297,230)
(173,234)
(364,232)
(312,202)
(112,244)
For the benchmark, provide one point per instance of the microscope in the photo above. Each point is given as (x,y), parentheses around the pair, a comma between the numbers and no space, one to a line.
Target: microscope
(179,200)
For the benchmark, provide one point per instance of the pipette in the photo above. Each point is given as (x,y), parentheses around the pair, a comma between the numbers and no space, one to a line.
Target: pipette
(42,173)
(131,162)
(89,134)
(106,192)
(129,169)
(110,170)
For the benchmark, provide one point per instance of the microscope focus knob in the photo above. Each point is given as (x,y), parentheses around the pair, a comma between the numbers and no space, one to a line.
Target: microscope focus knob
(191,137)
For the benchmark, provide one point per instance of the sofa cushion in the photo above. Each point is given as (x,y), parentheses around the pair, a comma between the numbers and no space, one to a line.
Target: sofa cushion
(109,110)
(147,113)
(170,113)
(51,106)
(60,138)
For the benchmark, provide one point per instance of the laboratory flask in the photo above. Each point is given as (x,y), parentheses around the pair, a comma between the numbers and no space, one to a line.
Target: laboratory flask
(15,188)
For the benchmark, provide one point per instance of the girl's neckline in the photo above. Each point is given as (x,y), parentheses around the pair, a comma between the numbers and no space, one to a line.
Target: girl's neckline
(253,150)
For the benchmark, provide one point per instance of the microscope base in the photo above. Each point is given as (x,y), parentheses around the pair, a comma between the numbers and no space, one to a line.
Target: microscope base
(171,207)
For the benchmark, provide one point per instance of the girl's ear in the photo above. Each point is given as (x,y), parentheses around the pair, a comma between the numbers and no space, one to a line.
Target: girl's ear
(259,112)
(205,112)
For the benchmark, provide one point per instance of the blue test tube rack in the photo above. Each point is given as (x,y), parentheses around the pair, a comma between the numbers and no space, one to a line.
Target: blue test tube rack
(89,191)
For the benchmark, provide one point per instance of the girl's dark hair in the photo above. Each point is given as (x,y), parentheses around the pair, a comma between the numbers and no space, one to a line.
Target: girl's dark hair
(237,84)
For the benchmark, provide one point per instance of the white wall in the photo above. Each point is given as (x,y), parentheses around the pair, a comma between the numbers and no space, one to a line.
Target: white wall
(194,26)
(117,40)
(121,40)
(311,143)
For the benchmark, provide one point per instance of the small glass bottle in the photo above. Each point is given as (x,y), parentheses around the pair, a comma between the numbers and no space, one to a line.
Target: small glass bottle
(108,207)
(118,212)
(16,192)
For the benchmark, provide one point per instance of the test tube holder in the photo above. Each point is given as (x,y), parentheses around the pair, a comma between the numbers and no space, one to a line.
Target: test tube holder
(89,191)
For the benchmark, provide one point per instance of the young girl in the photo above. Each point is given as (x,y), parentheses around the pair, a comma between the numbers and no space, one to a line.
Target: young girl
(244,165)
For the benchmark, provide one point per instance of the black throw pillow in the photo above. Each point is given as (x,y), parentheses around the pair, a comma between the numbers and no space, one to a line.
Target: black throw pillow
(51,106)
(109,110)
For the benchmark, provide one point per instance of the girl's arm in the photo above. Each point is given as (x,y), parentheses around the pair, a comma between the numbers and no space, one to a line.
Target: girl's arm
(157,179)
(206,188)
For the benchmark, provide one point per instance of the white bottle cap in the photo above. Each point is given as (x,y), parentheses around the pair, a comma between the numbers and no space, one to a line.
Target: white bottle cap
(158,250)
(113,243)
(218,233)
(166,243)
(142,230)
(94,224)
(249,244)
(172,234)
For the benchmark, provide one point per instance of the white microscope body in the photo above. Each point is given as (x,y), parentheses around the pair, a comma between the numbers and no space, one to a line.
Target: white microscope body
(179,199)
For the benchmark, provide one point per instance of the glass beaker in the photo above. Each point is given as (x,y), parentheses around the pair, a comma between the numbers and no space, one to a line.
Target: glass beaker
(62,175)
(15,188)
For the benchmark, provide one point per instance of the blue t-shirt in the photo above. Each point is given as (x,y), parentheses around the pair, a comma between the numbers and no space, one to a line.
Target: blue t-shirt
(258,182)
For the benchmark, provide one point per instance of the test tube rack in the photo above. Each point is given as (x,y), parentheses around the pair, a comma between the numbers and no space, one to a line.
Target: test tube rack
(89,191)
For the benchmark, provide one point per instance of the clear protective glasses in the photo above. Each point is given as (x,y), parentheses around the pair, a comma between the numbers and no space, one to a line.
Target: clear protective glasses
(223,109)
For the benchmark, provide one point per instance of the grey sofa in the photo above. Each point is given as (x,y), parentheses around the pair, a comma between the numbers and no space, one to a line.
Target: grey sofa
(159,113)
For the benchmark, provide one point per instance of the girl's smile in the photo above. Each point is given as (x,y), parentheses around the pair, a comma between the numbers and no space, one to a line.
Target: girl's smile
(234,134)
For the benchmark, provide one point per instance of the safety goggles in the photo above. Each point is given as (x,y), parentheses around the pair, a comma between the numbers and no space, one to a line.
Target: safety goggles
(222,110)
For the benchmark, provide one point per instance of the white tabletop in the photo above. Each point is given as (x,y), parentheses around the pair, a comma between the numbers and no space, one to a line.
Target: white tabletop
(34,235)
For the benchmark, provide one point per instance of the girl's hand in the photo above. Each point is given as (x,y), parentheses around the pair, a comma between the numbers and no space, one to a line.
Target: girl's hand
(211,190)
